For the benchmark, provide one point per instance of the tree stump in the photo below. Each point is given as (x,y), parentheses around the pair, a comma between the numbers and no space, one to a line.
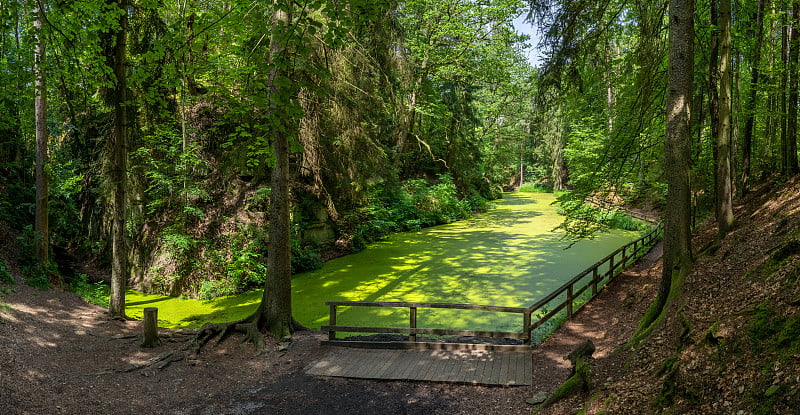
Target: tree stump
(150,338)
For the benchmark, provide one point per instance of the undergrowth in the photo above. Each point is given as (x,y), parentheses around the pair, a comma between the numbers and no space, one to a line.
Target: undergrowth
(92,292)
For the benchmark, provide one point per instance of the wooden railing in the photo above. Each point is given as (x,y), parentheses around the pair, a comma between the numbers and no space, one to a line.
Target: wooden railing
(606,268)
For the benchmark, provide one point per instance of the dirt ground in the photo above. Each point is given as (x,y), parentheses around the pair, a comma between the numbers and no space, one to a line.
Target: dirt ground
(61,355)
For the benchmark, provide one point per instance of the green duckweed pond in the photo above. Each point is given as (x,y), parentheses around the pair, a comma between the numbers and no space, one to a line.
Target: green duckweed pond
(508,256)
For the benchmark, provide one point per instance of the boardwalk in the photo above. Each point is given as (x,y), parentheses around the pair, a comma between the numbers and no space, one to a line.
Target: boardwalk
(460,366)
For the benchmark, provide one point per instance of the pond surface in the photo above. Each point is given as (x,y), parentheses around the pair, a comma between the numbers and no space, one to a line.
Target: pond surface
(509,256)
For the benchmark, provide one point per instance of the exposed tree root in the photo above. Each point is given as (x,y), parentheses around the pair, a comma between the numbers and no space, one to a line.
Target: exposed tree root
(251,327)
(159,362)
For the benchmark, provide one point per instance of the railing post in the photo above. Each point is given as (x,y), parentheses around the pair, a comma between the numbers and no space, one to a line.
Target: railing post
(624,256)
(412,317)
(611,268)
(526,326)
(569,302)
(594,281)
(332,321)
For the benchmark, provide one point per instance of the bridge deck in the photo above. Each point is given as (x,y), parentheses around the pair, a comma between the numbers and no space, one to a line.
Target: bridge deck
(457,366)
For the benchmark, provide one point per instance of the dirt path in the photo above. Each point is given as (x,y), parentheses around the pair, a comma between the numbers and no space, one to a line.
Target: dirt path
(61,355)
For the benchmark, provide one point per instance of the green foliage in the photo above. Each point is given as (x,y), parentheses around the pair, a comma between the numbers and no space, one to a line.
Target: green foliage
(210,289)
(177,242)
(536,188)
(95,293)
(40,277)
(768,330)
(6,279)
(5,276)
(305,258)
(417,204)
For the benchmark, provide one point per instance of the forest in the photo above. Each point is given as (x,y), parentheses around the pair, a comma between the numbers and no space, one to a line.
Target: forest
(205,148)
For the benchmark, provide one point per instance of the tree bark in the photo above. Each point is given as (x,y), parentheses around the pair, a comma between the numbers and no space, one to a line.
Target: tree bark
(119,172)
(747,139)
(276,303)
(791,128)
(41,222)
(677,257)
(722,166)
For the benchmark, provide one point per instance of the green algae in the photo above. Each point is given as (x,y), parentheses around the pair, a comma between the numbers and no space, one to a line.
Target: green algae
(508,256)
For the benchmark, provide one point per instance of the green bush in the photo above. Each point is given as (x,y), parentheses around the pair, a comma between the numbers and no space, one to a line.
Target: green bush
(536,188)
(305,258)
(39,276)
(210,289)
(95,293)
(5,276)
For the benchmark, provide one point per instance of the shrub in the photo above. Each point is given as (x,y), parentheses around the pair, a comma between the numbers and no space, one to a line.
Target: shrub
(536,188)
(216,288)
(5,276)
(95,293)
(305,258)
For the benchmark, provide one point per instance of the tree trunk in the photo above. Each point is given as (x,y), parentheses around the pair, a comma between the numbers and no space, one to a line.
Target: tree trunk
(41,222)
(784,86)
(722,166)
(791,129)
(276,303)
(119,172)
(747,140)
(677,150)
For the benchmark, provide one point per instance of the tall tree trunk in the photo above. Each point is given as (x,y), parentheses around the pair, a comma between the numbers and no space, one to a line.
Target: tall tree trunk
(784,87)
(41,222)
(747,139)
(677,151)
(119,171)
(722,166)
(791,129)
(275,310)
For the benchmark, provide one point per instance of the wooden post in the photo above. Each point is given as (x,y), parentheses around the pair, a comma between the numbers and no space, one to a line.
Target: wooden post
(611,268)
(526,326)
(150,321)
(570,297)
(412,321)
(332,322)
(594,282)
(624,256)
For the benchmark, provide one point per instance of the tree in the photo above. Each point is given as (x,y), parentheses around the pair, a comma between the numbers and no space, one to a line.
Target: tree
(791,167)
(275,311)
(288,45)
(677,257)
(119,163)
(42,239)
(755,73)
(723,173)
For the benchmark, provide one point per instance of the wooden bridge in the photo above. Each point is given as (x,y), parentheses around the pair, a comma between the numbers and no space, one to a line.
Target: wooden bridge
(480,367)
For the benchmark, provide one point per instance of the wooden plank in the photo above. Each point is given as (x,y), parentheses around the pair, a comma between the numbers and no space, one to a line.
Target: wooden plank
(456,360)
(432,368)
(525,372)
(505,366)
(385,368)
(373,363)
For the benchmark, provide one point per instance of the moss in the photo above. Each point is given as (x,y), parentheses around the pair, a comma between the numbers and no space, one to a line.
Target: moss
(764,325)
(579,382)
(766,402)
(788,338)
